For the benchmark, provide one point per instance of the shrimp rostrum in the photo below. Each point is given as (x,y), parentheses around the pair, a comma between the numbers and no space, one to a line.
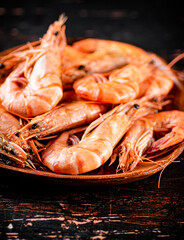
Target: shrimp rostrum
(97,144)
(143,138)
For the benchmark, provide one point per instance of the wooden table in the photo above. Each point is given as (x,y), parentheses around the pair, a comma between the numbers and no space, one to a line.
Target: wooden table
(35,209)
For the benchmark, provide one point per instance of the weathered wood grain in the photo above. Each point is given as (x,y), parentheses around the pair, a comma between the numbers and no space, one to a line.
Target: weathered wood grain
(140,210)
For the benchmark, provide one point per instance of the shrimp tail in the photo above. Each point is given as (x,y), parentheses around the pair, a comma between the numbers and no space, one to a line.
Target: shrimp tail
(174,137)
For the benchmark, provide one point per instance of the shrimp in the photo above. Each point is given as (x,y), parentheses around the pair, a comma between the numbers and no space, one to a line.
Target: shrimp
(121,86)
(139,140)
(96,146)
(13,151)
(106,55)
(151,78)
(63,117)
(11,145)
(96,56)
(34,86)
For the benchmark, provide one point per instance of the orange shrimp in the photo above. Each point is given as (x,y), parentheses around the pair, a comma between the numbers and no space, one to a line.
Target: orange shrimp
(13,151)
(96,146)
(122,85)
(61,118)
(151,78)
(106,55)
(140,140)
(11,145)
(96,56)
(34,86)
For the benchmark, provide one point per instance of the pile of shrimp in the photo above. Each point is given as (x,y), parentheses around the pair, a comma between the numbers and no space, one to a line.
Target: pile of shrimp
(72,108)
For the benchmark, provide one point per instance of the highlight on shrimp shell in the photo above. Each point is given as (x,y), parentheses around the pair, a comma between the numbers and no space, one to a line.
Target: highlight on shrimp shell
(97,106)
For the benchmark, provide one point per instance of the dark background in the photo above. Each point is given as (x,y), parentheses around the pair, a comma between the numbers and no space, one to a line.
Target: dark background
(32,209)
(153,25)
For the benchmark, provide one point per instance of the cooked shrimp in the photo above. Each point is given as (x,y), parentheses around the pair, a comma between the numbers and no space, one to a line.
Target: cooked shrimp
(34,86)
(96,56)
(13,151)
(151,79)
(11,145)
(122,85)
(140,139)
(96,146)
(64,117)
(108,54)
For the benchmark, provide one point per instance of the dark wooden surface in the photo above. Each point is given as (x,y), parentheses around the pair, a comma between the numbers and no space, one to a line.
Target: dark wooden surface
(30,209)
(35,209)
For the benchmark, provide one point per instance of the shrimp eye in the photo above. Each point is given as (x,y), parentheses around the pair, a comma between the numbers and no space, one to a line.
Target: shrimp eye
(56,33)
(80,67)
(34,125)
(12,151)
(2,65)
(35,138)
(17,134)
(152,61)
(136,106)
(31,150)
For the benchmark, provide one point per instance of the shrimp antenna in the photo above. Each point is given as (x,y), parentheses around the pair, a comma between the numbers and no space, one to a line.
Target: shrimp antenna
(175,60)
(62,18)
(172,156)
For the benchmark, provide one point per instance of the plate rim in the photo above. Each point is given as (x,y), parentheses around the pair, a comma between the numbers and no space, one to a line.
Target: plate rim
(153,168)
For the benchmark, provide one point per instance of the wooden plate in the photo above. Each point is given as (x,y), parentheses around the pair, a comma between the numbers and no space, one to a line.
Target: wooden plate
(105,175)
